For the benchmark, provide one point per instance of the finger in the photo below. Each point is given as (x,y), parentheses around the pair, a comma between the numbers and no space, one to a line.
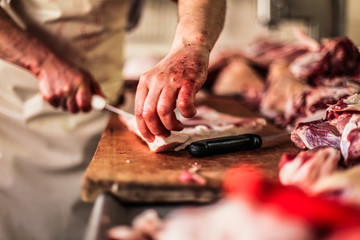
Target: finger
(96,89)
(47,93)
(53,101)
(63,104)
(83,98)
(150,114)
(185,102)
(165,109)
(71,105)
(140,97)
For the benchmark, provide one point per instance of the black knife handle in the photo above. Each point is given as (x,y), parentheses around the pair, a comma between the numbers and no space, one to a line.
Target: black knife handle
(227,144)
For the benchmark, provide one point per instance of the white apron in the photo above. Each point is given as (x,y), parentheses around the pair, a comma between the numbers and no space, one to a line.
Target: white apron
(41,148)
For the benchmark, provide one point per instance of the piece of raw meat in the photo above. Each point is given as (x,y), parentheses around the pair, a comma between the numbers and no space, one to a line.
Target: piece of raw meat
(284,95)
(265,51)
(238,78)
(319,98)
(144,227)
(309,135)
(342,186)
(304,169)
(207,123)
(350,141)
(341,130)
(348,104)
(336,57)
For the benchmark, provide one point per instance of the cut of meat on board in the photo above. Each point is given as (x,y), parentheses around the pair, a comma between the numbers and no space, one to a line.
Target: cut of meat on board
(305,168)
(207,123)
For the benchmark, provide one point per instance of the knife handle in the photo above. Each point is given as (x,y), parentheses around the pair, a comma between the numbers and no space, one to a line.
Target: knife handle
(227,144)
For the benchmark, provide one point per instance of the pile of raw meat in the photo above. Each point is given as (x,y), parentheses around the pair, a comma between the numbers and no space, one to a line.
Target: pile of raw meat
(329,163)
(311,89)
(288,83)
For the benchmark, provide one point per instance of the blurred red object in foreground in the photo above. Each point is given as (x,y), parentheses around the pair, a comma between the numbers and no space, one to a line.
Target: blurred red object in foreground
(328,218)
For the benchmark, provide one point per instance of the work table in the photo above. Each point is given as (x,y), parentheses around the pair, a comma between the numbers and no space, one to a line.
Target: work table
(124,166)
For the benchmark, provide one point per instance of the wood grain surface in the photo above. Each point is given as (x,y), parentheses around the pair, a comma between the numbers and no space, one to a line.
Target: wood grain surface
(123,164)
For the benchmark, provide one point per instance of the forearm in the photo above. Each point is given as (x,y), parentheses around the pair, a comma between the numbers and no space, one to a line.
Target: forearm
(19,47)
(200,23)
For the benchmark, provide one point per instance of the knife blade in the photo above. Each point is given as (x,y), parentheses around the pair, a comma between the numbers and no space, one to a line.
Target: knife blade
(228,144)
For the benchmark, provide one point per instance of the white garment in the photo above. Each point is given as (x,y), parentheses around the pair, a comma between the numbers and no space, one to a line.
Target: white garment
(40,147)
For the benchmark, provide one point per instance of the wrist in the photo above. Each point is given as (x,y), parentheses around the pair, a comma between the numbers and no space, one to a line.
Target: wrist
(195,43)
(35,57)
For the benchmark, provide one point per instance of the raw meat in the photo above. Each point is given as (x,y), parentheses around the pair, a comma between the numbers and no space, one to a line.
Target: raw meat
(265,51)
(317,133)
(350,141)
(192,175)
(301,78)
(305,168)
(238,78)
(207,123)
(284,95)
(144,227)
(319,98)
(288,101)
(336,57)
(341,130)
(348,104)
(342,186)
(255,208)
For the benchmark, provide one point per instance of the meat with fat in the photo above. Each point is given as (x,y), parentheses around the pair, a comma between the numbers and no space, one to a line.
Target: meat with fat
(238,78)
(340,130)
(284,95)
(342,186)
(336,57)
(305,168)
(207,123)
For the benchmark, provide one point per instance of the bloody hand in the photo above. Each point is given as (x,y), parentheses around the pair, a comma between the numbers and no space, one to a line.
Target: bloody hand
(67,86)
(172,83)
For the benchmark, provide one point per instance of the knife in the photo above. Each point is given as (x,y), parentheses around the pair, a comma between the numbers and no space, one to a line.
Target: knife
(229,144)
(99,103)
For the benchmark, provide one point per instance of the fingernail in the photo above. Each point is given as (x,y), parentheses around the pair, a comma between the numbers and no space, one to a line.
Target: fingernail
(150,139)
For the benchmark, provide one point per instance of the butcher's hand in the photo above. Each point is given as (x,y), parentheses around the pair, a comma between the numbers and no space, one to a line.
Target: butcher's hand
(172,83)
(65,85)
(61,83)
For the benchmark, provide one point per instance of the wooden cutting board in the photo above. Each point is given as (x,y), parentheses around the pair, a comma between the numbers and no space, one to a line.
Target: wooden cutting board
(124,166)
